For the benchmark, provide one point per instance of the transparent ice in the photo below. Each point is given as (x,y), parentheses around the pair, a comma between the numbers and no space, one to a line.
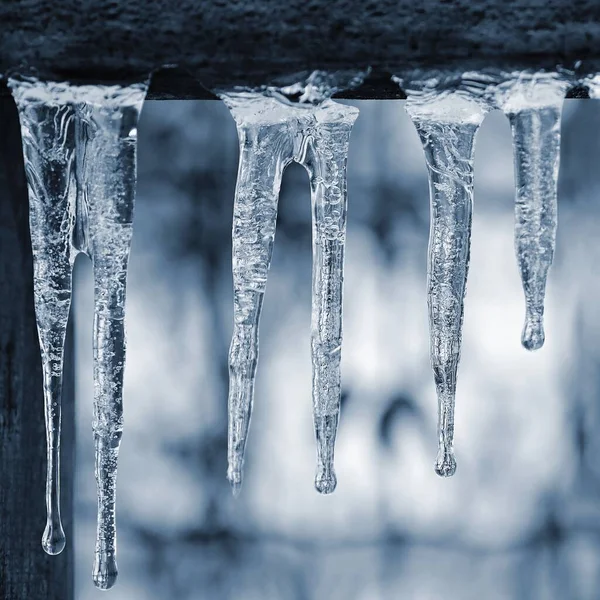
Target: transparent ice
(79,145)
(447,122)
(272,134)
(533,104)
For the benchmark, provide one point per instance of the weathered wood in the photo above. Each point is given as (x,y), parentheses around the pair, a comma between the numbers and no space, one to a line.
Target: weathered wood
(228,42)
(26,572)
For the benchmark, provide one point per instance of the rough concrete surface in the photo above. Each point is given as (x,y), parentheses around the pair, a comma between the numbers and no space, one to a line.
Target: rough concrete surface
(234,42)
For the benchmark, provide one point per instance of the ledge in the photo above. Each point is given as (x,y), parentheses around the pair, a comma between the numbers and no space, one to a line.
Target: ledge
(230,42)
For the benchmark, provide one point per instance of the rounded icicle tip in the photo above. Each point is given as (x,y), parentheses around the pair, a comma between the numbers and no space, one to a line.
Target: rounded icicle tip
(235,480)
(53,540)
(445,464)
(105,572)
(325,482)
(533,336)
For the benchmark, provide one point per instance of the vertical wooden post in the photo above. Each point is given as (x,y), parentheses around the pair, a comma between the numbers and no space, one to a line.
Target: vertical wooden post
(26,572)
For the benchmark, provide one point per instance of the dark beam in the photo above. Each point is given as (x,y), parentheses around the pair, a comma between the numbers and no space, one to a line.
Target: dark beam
(26,572)
(251,42)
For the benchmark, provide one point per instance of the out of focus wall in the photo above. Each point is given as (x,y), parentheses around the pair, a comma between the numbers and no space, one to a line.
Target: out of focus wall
(521,518)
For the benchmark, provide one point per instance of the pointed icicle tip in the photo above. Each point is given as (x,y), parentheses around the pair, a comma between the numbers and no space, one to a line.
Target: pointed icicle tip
(53,540)
(235,480)
(105,572)
(445,463)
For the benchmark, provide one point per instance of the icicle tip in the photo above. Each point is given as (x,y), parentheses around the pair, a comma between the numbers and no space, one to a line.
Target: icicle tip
(53,540)
(533,336)
(325,481)
(105,572)
(445,464)
(235,480)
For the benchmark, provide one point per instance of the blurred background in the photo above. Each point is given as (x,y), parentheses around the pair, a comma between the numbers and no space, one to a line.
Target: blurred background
(521,518)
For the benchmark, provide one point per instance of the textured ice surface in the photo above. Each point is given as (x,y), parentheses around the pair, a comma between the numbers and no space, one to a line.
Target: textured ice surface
(533,104)
(272,134)
(79,145)
(447,123)
(593,85)
(447,113)
(316,87)
(49,147)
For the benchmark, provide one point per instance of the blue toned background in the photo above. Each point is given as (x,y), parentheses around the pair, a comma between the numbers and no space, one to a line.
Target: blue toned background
(521,518)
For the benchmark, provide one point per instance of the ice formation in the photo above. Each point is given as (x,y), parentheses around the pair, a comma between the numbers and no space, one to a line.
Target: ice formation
(79,144)
(447,114)
(273,133)
(533,104)
(447,122)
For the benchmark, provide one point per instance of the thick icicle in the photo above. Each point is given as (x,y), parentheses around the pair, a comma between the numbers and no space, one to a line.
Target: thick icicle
(80,147)
(272,134)
(325,157)
(266,136)
(533,104)
(447,123)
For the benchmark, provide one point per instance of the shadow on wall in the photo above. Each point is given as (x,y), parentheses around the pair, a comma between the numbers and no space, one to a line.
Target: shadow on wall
(520,518)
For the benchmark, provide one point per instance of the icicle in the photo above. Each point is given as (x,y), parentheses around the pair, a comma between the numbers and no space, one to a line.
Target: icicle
(111,132)
(266,138)
(533,104)
(48,145)
(79,146)
(447,123)
(272,134)
(325,158)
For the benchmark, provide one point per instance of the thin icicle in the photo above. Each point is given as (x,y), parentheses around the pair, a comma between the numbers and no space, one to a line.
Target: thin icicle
(109,194)
(79,145)
(533,104)
(272,134)
(48,147)
(447,123)
(325,159)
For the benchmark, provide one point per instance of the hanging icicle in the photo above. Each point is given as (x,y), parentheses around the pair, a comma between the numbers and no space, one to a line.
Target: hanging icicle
(533,104)
(79,146)
(49,146)
(325,154)
(266,138)
(447,122)
(272,134)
